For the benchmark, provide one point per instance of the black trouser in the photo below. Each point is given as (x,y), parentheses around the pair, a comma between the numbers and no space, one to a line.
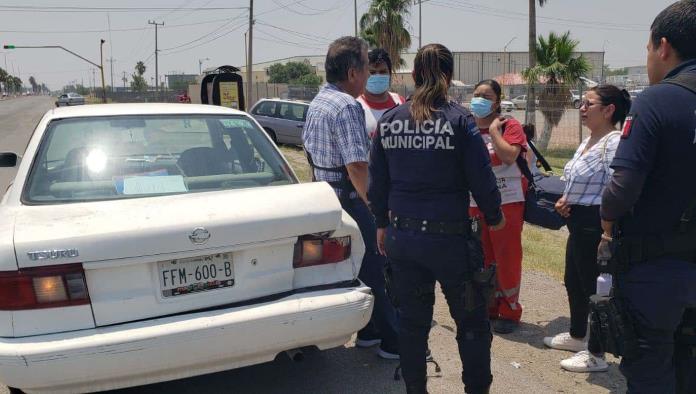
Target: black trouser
(584,225)
(416,261)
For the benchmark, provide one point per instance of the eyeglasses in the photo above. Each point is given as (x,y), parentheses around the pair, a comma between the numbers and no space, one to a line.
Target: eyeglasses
(588,104)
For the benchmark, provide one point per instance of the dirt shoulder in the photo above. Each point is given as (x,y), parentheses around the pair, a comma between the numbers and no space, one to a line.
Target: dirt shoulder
(536,368)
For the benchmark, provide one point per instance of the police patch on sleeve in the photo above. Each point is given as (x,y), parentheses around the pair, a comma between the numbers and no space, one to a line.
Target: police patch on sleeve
(628,124)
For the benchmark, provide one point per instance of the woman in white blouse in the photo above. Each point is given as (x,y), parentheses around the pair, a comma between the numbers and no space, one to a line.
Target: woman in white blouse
(586,176)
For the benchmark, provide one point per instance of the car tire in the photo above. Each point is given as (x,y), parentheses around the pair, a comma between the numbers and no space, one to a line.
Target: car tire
(577,104)
(271,134)
(14,390)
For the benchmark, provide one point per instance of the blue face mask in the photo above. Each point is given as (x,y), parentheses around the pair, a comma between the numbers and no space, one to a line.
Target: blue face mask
(377,83)
(481,107)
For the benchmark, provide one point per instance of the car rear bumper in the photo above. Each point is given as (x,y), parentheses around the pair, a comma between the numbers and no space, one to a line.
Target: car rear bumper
(176,347)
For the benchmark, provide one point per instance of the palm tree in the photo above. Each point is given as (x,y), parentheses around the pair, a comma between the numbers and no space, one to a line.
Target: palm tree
(3,78)
(558,69)
(140,68)
(531,100)
(16,83)
(382,26)
(34,85)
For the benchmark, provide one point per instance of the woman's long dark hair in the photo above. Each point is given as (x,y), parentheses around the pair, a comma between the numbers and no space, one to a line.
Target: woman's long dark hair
(433,70)
(496,89)
(610,94)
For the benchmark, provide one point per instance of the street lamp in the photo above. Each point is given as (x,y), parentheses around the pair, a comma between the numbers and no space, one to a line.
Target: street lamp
(99,66)
(508,58)
(200,65)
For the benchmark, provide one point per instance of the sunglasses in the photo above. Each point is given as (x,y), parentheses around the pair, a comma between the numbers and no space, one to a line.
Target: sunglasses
(588,104)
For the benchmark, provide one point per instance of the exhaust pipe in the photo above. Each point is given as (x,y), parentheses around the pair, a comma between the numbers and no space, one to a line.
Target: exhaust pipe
(296,355)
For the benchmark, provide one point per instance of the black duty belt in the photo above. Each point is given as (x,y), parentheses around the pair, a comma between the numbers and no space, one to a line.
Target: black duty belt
(430,226)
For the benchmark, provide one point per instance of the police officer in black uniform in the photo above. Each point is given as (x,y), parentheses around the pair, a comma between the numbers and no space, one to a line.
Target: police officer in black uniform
(649,213)
(426,158)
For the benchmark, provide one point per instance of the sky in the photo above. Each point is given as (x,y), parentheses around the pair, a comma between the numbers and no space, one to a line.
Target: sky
(212,31)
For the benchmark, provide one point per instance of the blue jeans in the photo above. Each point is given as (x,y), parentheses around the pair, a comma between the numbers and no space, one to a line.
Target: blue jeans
(383,323)
(658,293)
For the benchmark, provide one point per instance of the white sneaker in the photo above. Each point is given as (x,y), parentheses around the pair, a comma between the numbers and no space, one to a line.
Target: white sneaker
(585,361)
(564,341)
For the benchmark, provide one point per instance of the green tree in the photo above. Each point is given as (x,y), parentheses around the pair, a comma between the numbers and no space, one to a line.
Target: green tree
(382,26)
(531,94)
(294,73)
(3,78)
(291,71)
(277,73)
(16,83)
(34,85)
(311,80)
(138,82)
(609,72)
(558,69)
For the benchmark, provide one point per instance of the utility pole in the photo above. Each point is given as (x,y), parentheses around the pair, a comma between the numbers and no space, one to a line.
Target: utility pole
(251,45)
(111,60)
(101,68)
(124,79)
(355,10)
(200,62)
(420,22)
(156,51)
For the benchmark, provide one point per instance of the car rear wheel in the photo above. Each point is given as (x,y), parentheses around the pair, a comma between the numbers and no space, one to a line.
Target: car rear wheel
(271,134)
(577,104)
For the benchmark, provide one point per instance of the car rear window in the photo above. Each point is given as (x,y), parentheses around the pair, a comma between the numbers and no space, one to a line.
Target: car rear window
(294,112)
(266,108)
(98,158)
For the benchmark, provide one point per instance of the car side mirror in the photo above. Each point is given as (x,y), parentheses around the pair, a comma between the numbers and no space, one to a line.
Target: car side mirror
(8,159)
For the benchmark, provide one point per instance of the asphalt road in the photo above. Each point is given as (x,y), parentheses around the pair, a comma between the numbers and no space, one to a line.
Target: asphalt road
(520,362)
(18,117)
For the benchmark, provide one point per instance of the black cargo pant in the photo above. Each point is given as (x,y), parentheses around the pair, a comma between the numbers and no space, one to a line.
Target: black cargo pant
(415,261)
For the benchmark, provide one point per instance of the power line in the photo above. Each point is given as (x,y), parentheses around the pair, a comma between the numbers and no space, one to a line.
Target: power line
(297,33)
(511,15)
(279,40)
(18,8)
(113,30)
(287,7)
(205,42)
(229,21)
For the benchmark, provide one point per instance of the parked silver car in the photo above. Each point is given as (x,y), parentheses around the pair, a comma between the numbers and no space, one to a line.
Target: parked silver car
(521,101)
(69,99)
(283,120)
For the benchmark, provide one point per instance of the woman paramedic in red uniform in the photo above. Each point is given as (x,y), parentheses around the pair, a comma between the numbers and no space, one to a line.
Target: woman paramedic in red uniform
(504,247)
(377,98)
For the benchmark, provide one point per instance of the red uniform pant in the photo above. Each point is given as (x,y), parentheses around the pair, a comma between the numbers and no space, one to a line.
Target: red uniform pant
(504,248)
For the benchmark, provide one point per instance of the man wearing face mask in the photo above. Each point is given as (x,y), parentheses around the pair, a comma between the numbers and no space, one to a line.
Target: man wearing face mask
(377,98)
(506,141)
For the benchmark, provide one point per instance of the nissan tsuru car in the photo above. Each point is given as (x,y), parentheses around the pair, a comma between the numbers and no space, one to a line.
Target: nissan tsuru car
(148,242)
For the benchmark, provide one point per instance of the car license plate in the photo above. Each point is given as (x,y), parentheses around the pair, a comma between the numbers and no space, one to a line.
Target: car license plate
(196,274)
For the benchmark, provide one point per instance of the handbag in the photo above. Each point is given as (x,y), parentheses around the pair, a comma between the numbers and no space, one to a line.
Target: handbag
(542,194)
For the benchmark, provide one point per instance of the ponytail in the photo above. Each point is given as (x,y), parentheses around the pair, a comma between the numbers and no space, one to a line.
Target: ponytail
(433,68)
(620,98)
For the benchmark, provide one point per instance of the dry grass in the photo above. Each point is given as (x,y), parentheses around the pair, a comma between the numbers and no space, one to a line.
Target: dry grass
(544,250)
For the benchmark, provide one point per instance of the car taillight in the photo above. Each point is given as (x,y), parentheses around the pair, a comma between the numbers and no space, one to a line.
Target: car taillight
(315,250)
(43,287)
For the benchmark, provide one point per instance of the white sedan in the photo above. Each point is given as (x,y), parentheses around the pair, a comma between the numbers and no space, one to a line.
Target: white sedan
(148,242)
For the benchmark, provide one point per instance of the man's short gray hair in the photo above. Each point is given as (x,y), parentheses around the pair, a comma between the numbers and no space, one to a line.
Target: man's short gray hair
(344,53)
